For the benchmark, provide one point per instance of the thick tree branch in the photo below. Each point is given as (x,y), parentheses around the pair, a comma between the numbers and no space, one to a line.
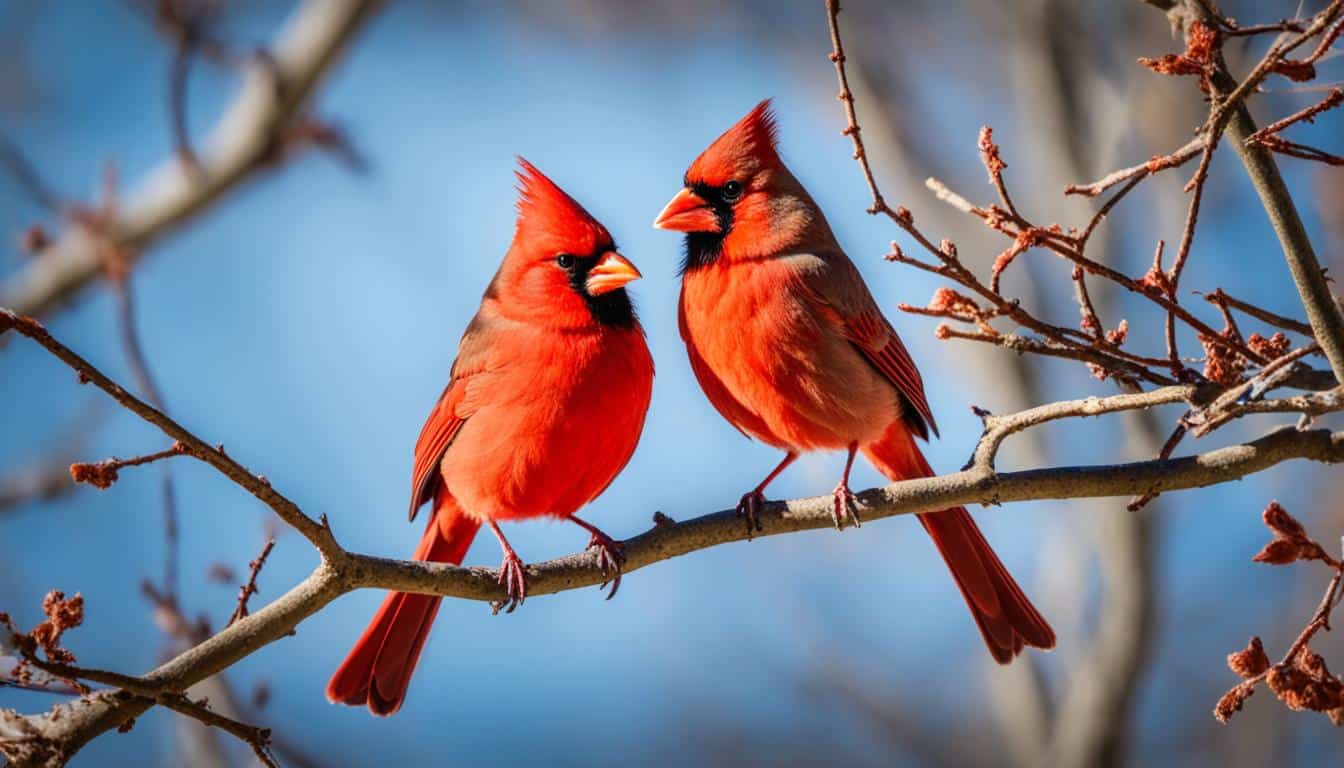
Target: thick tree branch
(978,485)
(246,140)
(70,726)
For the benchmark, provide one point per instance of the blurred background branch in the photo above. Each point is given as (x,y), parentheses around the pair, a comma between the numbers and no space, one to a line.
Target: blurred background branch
(254,134)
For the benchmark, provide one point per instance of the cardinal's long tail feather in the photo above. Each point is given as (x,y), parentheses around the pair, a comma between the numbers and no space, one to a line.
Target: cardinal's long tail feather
(378,669)
(1006,618)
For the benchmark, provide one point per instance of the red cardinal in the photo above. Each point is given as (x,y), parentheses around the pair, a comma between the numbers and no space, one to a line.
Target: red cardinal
(789,345)
(545,405)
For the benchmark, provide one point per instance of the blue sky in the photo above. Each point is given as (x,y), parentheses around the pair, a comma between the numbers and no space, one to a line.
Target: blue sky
(309,322)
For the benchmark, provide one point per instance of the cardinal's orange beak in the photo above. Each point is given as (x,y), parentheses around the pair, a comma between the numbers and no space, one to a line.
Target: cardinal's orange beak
(610,272)
(687,212)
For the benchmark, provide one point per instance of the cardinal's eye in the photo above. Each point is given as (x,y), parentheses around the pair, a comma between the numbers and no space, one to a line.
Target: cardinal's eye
(565,261)
(732,191)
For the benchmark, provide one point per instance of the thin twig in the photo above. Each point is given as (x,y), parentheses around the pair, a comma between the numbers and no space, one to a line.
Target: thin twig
(1332,100)
(846,97)
(1072,254)
(1222,299)
(1142,170)
(250,588)
(102,474)
(1168,447)
(259,739)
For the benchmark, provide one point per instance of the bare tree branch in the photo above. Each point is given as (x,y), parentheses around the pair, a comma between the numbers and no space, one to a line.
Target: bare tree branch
(246,140)
(249,589)
(1322,311)
(57,735)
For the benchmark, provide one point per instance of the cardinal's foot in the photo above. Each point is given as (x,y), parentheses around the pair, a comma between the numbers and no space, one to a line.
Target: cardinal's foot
(610,557)
(514,580)
(750,508)
(845,504)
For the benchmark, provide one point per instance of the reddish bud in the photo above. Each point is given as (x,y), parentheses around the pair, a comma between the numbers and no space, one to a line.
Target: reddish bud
(1118,336)
(1200,44)
(1232,702)
(1274,347)
(1221,364)
(99,475)
(1249,662)
(1172,64)
(1279,552)
(1307,684)
(1281,523)
(1156,282)
(1295,69)
(948,301)
(1160,163)
(65,614)
(62,615)
(989,153)
(1289,684)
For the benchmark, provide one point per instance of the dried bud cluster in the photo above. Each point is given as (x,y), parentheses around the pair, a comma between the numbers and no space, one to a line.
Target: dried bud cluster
(62,614)
(1306,684)
(1232,702)
(1302,681)
(1201,42)
(1221,364)
(102,474)
(1269,348)
(1156,281)
(99,474)
(1290,543)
